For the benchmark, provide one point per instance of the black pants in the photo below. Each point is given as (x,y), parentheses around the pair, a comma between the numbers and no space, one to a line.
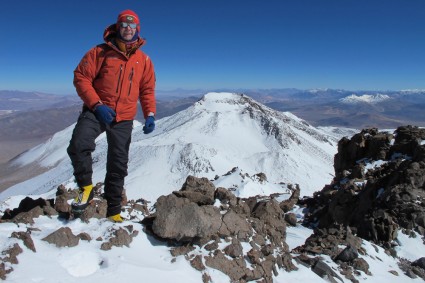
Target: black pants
(80,149)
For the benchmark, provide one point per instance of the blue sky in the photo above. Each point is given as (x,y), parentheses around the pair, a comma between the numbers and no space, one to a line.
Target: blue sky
(348,44)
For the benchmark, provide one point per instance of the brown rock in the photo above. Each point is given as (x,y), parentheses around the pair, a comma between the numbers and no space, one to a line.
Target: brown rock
(63,237)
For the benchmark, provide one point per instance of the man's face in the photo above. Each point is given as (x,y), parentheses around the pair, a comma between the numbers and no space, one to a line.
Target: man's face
(126,31)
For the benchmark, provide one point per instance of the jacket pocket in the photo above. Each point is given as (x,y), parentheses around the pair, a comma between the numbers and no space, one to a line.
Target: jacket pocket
(130,77)
(119,79)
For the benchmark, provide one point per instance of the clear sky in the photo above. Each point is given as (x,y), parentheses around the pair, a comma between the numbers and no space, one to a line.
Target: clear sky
(349,44)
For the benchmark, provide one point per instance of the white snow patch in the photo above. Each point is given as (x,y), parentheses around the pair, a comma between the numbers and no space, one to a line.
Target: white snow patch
(365,98)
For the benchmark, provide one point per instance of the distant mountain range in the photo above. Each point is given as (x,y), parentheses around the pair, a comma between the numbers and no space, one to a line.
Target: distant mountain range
(353,109)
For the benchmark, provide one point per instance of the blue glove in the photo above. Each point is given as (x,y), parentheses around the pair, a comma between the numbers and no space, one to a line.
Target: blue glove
(104,114)
(149,125)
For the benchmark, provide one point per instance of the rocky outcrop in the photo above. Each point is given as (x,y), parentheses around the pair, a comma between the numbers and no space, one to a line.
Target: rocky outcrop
(29,209)
(219,223)
(378,190)
(341,245)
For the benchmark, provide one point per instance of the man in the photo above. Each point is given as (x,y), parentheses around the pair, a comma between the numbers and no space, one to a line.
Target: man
(110,79)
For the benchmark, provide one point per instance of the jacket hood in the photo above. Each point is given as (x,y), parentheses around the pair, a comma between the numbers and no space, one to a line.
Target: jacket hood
(110,34)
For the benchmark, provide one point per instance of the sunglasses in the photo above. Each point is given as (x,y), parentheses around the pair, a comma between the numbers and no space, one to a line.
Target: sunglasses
(124,25)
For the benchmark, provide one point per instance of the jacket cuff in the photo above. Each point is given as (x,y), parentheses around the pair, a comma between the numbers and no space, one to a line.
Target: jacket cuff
(93,108)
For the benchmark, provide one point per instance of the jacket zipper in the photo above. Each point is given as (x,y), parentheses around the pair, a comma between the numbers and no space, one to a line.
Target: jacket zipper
(119,78)
(131,81)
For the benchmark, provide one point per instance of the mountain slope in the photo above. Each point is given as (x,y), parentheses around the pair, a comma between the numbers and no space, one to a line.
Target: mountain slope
(217,133)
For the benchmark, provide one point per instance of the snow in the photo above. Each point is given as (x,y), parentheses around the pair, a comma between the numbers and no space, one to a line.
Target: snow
(365,98)
(339,132)
(209,140)
(244,186)
(86,262)
(296,236)
(380,265)
(409,247)
(373,165)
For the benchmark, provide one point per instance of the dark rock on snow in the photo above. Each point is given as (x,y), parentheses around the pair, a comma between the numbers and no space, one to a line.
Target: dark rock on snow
(371,202)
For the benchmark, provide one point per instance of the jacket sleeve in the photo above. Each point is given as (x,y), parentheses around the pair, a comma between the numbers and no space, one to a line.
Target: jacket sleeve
(84,75)
(147,89)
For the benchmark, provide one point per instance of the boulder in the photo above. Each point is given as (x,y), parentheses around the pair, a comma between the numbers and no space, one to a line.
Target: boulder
(63,237)
(183,220)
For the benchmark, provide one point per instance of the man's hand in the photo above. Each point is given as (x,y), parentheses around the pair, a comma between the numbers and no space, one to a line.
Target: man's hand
(104,114)
(149,125)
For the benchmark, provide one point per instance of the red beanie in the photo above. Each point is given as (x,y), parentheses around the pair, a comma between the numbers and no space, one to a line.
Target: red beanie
(128,16)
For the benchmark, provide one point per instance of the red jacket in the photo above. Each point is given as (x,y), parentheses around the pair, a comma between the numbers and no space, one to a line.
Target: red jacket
(106,74)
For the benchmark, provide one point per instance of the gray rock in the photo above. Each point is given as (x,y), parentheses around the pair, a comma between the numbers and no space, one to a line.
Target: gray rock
(26,238)
(288,204)
(63,237)
(49,211)
(270,212)
(181,250)
(419,262)
(197,263)
(198,190)
(348,254)
(325,272)
(84,236)
(362,265)
(234,250)
(182,220)
(28,217)
(420,219)
(234,224)
(225,196)
(120,238)
(12,254)
(4,270)
(291,219)
(61,203)
(235,269)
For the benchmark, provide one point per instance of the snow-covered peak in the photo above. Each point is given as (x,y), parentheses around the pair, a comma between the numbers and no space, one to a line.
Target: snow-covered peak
(365,98)
(220,102)
(221,97)
(219,132)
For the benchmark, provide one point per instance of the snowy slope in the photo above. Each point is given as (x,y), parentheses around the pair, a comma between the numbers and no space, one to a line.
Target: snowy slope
(219,132)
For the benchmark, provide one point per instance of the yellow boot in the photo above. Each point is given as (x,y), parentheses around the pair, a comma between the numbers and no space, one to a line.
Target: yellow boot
(115,218)
(85,195)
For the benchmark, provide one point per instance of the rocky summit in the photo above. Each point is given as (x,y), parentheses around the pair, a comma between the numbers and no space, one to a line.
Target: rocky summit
(378,193)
